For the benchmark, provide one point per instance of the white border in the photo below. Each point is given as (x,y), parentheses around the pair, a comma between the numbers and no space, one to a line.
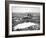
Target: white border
(25,32)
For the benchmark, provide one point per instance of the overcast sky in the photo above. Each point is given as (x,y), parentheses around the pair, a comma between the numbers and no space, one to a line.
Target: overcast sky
(25,9)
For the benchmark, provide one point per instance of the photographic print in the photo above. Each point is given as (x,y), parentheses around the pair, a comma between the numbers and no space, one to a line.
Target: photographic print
(25,19)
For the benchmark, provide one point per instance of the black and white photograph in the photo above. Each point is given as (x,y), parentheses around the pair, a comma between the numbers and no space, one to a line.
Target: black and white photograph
(25,18)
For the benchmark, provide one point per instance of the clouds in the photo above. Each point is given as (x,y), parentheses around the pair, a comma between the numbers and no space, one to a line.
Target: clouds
(25,8)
